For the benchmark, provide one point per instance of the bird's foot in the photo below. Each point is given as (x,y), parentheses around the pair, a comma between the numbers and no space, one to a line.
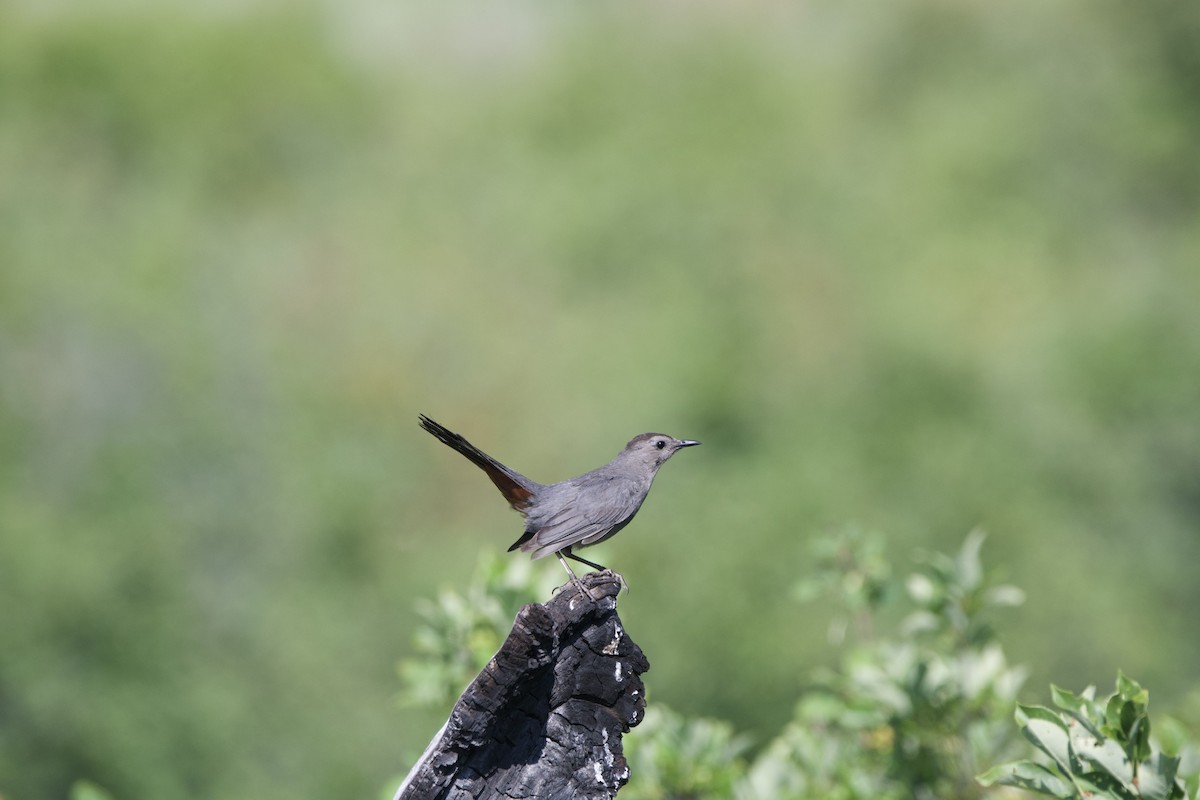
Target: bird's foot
(574,583)
(584,590)
(591,585)
(607,575)
(620,578)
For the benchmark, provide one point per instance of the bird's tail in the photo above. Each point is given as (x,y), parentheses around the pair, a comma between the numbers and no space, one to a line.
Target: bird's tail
(516,488)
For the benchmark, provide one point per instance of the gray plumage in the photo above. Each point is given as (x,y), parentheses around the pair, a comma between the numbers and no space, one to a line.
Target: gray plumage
(579,511)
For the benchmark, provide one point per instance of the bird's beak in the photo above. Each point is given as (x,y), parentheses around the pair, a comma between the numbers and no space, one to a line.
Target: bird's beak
(688,443)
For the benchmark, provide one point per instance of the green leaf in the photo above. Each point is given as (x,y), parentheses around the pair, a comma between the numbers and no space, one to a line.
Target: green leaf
(1191,782)
(1172,735)
(1104,785)
(921,588)
(920,622)
(1112,713)
(1106,754)
(1068,700)
(1119,716)
(1132,691)
(806,590)
(1156,777)
(1005,595)
(86,790)
(1028,775)
(968,567)
(1080,706)
(1047,732)
(1139,739)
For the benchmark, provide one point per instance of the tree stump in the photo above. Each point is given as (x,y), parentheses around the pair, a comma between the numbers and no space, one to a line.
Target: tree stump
(544,718)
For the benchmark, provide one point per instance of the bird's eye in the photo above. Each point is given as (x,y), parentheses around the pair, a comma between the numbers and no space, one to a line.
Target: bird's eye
(660,444)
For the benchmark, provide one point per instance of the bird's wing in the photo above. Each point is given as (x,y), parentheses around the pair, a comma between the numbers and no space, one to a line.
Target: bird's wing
(585,513)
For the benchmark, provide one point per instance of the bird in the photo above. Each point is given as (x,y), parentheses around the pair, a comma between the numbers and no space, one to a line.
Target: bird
(579,511)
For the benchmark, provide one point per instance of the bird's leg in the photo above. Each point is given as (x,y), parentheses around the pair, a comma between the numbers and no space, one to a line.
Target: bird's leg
(574,578)
(567,552)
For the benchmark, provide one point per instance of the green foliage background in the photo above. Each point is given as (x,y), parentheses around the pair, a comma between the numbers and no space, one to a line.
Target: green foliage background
(920,266)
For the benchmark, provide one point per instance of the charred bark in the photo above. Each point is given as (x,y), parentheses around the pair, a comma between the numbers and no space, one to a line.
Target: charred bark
(544,718)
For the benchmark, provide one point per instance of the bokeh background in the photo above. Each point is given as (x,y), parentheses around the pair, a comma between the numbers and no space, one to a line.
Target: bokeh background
(917,266)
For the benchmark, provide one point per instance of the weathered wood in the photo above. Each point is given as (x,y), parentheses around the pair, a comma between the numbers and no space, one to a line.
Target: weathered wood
(544,718)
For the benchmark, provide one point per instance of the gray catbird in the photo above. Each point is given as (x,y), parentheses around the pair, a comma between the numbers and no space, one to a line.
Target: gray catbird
(579,511)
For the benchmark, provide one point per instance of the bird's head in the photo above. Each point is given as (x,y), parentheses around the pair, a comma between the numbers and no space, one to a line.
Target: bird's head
(653,449)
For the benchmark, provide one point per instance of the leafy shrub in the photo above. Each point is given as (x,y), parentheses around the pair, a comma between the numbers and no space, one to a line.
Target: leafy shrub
(917,713)
(1098,749)
(675,756)
(914,715)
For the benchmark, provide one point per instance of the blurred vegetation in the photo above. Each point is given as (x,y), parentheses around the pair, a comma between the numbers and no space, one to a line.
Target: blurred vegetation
(920,267)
